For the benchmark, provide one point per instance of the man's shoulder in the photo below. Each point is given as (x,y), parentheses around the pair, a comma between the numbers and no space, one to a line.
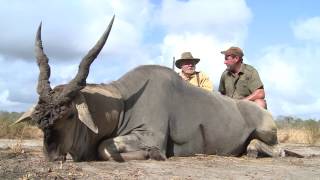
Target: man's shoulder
(249,68)
(225,73)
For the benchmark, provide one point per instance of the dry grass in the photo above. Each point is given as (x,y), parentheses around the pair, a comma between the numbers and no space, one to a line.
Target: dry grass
(23,131)
(32,132)
(290,130)
(27,132)
(17,148)
(295,130)
(20,130)
(302,135)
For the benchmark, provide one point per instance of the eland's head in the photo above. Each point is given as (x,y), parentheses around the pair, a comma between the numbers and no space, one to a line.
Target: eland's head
(56,113)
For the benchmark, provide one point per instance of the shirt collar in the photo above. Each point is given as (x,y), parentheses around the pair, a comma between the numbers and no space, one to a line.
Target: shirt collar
(190,77)
(242,69)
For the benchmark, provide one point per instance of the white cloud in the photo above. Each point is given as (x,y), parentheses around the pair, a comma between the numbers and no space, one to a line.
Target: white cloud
(307,29)
(226,19)
(289,79)
(9,105)
(204,28)
(205,47)
(279,71)
(4,98)
(143,33)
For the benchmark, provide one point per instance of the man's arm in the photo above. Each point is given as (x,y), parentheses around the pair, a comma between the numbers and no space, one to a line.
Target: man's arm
(258,97)
(257,94)
(255,85)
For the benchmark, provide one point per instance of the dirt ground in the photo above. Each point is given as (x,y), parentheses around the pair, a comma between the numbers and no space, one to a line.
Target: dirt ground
(27,162)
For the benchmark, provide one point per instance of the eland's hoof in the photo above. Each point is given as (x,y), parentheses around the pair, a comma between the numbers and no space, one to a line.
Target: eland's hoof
(288,153)
(252,153)
(154,153)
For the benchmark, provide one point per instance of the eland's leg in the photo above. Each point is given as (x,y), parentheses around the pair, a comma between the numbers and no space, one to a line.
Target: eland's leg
(265,139)
(264,143)
(258,148)
(124,148)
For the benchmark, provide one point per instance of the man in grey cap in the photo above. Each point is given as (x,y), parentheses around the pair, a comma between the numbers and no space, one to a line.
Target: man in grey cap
(240,80)
(187,64)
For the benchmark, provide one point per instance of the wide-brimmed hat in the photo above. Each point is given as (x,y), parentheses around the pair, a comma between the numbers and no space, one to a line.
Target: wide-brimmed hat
(186,56)
(233,51)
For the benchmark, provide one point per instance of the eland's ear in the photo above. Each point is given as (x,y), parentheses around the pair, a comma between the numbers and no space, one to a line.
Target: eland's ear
(25,116)
(84,113)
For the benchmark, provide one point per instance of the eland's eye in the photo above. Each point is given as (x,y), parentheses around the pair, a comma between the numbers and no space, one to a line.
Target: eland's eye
(71,116)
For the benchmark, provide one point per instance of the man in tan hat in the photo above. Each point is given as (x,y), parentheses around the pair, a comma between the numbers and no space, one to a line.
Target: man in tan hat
(239,80)
(187,64)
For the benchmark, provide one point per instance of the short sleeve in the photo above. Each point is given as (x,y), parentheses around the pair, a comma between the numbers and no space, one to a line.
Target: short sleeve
(255,81)
(222,88)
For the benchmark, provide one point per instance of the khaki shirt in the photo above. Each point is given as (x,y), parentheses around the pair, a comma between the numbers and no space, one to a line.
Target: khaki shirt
(240,85)
(204,81)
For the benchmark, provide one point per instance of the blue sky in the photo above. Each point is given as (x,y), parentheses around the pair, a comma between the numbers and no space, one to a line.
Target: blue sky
(271,23)
(280,38)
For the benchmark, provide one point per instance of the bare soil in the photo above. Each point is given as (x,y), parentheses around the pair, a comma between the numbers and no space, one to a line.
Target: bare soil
(28,162)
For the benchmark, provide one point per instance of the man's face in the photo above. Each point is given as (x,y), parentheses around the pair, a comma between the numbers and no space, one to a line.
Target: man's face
(188,66)
(230,61)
